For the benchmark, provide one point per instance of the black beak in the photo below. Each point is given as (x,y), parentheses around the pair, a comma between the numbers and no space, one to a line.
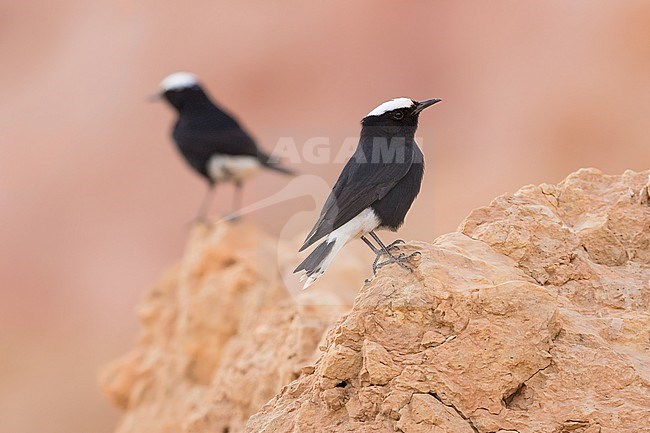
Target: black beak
(424,104)
(154,97)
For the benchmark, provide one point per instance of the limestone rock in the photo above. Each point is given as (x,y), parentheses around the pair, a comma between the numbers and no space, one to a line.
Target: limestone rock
(378,364)
(534,317)
(221,335)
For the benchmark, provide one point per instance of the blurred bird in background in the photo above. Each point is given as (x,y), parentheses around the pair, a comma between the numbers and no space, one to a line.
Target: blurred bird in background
(211,140)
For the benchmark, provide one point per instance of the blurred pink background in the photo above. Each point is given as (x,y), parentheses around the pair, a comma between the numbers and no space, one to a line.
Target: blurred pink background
(94,199)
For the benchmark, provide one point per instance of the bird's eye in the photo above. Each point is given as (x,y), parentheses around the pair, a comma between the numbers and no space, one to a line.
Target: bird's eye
(398,115)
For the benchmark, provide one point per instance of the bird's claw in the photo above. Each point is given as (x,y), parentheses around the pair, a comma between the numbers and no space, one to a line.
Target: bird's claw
(401,260)
(233,217)
(394,244)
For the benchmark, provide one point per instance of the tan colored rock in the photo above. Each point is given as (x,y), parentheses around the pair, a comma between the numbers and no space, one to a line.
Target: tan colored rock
(425,414)
(379,367)
(534,317)
(220,336)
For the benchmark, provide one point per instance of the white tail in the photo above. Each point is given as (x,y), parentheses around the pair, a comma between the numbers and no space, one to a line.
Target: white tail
(321,258)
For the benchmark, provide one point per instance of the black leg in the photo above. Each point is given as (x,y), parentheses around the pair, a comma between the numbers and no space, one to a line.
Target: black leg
(372,247)
(205,204)
(391,258)
(237,200)
(378,253)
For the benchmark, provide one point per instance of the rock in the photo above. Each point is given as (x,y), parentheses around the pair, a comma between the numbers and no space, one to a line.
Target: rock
(379,367)
(220,336)
(426,414)
(534,317)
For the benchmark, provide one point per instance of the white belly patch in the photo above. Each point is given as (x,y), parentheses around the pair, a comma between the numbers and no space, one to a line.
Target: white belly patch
(231,167)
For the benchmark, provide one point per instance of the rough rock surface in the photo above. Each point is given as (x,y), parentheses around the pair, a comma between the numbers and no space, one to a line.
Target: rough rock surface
(220,336)
(533,317)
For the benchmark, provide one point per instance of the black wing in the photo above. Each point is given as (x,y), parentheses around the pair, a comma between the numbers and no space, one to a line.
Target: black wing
(211,139)
(361,183)
(201,138)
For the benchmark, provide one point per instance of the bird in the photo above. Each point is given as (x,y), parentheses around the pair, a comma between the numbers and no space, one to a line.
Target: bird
(211,140)
(375,189)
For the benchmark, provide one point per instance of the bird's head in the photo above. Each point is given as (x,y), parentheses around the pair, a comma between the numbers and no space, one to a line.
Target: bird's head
(179,89)
(397,113)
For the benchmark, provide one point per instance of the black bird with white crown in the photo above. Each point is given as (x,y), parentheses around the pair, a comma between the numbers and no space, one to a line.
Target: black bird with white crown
(375,189)
(212,142)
